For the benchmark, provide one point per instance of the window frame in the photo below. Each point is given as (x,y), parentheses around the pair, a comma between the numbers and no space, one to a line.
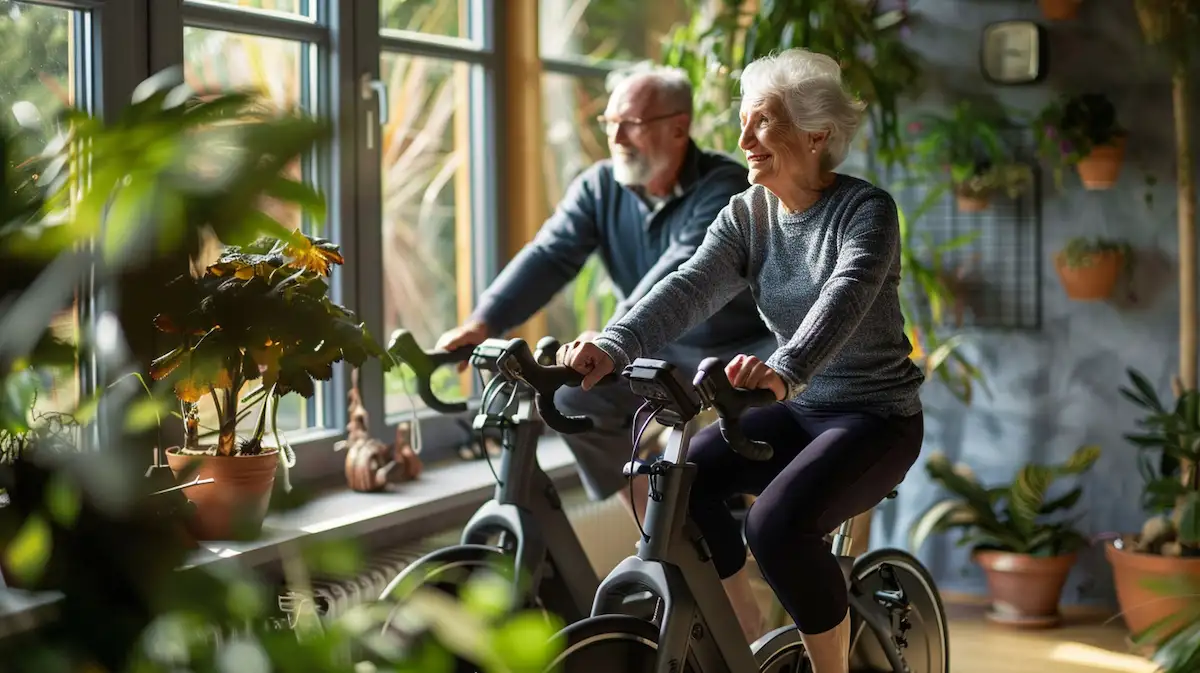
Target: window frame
(133,39)
(441,434)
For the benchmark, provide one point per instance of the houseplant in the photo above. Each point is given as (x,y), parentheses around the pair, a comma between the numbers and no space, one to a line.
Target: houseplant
(1082,131)
(966,147)
(1025,552)
(260,314)
(1169,543)
(1089,268)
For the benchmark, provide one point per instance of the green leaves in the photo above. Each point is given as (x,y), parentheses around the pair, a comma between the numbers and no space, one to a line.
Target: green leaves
(1010,518)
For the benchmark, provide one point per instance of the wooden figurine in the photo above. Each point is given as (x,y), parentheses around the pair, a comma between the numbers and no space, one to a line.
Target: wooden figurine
(368,460)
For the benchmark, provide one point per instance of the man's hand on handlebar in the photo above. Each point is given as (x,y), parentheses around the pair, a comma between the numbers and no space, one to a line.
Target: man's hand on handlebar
(750,373)
(470,333)
(586,358)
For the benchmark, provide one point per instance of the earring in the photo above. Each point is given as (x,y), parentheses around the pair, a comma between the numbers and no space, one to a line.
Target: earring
(813,150)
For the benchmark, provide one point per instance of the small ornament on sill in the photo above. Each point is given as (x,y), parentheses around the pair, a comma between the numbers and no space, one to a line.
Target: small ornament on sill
(370,463)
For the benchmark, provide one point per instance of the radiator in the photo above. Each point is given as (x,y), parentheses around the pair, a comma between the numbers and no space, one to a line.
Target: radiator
(605,531)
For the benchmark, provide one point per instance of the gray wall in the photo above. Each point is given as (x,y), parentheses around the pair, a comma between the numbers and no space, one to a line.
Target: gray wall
(1055,389)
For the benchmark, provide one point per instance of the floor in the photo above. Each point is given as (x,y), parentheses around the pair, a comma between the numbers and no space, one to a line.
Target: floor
(1085,642)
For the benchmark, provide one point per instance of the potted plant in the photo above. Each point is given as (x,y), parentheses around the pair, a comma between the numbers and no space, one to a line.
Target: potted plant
(1025,552)
(1082,131)
(1060,10)
(1168,545)
(1089,268)
(260,314)
(966,148)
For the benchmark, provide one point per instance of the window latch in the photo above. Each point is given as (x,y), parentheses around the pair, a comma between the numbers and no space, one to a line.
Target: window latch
(370,87)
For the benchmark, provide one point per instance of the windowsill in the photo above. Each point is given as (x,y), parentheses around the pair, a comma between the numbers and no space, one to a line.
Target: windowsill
(340,513)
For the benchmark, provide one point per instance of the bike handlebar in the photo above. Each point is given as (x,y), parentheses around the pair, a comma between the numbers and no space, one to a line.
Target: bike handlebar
(730,403)
(520,364)
(403,346)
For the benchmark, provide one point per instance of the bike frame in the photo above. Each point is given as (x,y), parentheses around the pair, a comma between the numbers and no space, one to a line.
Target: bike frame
(527,509)
(675,565)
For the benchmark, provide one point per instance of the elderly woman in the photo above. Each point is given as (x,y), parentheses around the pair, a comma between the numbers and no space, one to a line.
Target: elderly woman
(821,253)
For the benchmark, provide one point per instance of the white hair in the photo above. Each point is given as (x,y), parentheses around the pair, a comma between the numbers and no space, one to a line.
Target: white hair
(671,84)
(810,86)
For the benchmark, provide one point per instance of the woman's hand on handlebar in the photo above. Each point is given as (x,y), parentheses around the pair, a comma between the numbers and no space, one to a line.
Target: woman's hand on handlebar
(750,373)
(586,358)
(470,333)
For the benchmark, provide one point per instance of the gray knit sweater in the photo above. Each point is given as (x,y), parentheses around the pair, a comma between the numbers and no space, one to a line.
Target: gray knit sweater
(826,283)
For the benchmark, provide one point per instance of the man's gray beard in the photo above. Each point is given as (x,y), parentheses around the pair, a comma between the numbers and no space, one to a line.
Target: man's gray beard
(634,173)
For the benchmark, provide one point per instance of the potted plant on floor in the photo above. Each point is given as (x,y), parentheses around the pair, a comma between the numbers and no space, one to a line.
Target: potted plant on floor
(1089,268)
(966,147)
(1169,543)
(260,314)
(1082,131)
(1025,551)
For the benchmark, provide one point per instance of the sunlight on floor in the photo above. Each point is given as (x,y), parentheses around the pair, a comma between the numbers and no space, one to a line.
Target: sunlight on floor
(1080,654)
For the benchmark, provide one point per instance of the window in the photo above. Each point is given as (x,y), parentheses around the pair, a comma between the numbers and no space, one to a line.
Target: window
(432,202)
(446,18)
(606,30)
(295,8)
(46,71)
(285,72)
(426,205)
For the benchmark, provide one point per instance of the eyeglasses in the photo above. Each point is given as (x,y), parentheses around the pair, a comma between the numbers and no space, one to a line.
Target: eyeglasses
(610,125)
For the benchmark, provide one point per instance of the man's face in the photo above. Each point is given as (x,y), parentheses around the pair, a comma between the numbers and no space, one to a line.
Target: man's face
(642,132)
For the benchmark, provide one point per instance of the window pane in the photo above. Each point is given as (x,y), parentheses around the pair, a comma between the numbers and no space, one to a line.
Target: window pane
(574,141)
(218,60)
(426,205)
(617,30)
(41,72)
(298,7)
(434,17)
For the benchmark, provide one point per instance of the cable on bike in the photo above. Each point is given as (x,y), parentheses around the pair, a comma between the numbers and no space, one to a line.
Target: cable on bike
(490,391)
(637,440)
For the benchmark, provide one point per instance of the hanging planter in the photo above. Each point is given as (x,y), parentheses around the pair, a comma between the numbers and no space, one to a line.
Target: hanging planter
(1083,131)
(972,203)
(1089,270)
(1060,10)
(1102,166)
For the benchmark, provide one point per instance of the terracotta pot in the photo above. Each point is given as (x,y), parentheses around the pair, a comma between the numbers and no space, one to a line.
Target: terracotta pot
(1025,590)
(1094,281)
(1140,606)
(234,505)
(1060,10)
(972,204)
(1102,166)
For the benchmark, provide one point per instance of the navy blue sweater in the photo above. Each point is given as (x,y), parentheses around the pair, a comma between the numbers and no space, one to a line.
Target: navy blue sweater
(638,246)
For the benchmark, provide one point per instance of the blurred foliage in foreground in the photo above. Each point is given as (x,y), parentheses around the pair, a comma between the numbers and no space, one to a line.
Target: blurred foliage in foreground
(81,519)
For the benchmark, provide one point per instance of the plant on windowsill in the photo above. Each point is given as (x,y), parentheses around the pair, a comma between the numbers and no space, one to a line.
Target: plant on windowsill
(260,314)
(965,148)
(1082,131)
(1025,550)
(1089,268)
(1168,545)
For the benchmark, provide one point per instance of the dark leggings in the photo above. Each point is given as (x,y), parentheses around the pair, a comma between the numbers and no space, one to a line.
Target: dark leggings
(828,467)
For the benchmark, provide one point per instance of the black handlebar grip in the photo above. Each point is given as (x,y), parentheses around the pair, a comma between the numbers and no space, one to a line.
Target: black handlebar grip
(403,347)
(730,403)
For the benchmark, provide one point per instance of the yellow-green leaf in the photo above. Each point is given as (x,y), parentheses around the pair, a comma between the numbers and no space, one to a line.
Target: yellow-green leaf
(29,550)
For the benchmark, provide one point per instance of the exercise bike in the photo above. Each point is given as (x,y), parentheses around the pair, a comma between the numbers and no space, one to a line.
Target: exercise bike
(533,537)
(898,622)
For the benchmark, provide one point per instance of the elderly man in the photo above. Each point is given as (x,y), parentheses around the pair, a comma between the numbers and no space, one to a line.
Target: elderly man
(645,211)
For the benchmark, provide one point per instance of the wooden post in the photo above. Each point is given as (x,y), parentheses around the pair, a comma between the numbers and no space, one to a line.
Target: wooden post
(1187,226)
(521,102)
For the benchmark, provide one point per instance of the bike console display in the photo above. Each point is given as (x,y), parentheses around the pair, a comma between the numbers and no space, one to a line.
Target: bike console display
(657,381)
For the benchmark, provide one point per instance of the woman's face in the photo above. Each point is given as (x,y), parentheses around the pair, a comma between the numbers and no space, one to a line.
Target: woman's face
(776,151)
